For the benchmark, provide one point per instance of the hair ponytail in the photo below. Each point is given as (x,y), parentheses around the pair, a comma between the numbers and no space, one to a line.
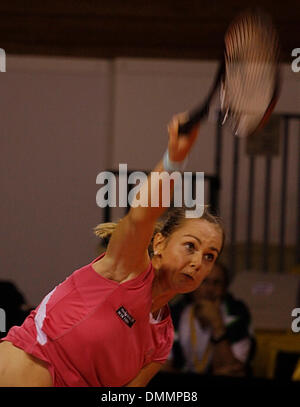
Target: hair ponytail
(166,225)
(104,231)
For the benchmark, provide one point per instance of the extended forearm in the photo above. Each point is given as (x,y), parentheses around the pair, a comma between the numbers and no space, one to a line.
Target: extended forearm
(154,195)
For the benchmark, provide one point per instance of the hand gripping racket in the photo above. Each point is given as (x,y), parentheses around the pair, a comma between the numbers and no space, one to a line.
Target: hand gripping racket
(248,76)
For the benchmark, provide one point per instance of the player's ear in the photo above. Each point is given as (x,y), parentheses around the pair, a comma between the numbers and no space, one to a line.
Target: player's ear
(159,242)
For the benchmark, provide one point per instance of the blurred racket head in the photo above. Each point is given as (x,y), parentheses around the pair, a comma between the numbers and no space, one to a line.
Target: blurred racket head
(250,85)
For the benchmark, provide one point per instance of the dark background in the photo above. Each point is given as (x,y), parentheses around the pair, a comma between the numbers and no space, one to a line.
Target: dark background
(133,28)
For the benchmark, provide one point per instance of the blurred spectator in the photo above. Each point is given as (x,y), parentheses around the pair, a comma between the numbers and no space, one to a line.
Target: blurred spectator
(296,373)
(213,331)
(14,305)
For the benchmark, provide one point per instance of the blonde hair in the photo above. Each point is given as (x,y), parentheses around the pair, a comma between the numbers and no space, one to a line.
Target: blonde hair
(166,225)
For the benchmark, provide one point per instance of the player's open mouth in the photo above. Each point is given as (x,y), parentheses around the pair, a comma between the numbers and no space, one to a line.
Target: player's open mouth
(189,277)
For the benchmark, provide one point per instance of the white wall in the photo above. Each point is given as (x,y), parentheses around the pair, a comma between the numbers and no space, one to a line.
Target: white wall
(54,140)
(65,120)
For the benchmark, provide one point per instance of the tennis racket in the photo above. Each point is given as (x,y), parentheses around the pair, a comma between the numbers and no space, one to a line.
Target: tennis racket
(248,76)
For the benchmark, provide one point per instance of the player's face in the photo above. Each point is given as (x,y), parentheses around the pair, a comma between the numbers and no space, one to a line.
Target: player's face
(188,255)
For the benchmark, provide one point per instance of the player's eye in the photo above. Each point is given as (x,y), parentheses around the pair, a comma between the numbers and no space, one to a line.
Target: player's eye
(209,257)
(190,246)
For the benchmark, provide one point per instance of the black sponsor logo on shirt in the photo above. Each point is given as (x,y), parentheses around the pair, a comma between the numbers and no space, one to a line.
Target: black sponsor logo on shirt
(125,316)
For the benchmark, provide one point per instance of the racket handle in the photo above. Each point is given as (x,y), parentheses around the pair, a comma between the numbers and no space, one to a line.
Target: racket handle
(194,118)
(202,111)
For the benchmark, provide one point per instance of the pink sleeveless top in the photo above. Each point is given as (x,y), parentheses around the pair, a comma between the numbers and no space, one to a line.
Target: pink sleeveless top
(92,331)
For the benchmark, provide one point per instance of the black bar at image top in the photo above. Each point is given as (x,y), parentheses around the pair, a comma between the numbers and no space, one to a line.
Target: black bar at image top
(248,258)
(268,180)
(281,262)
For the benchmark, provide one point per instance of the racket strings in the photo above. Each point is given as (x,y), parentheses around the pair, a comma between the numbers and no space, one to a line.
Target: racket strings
(251,59)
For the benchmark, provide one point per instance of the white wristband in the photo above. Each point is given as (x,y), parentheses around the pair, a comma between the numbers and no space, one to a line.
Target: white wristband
(171,166)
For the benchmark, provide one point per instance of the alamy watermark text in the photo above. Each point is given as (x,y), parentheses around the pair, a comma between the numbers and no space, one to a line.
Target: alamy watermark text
(159,190)
(2,60)
(2,320)
(296,62)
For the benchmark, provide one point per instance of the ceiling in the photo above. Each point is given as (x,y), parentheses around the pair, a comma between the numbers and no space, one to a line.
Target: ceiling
(188,29)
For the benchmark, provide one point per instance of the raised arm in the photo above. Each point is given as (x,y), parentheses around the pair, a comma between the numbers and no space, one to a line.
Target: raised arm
(127,252)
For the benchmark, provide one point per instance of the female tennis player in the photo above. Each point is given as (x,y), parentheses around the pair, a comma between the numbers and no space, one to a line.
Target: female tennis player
(108,323)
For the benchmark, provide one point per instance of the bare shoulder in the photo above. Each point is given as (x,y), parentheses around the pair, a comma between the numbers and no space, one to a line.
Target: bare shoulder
(104,267)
